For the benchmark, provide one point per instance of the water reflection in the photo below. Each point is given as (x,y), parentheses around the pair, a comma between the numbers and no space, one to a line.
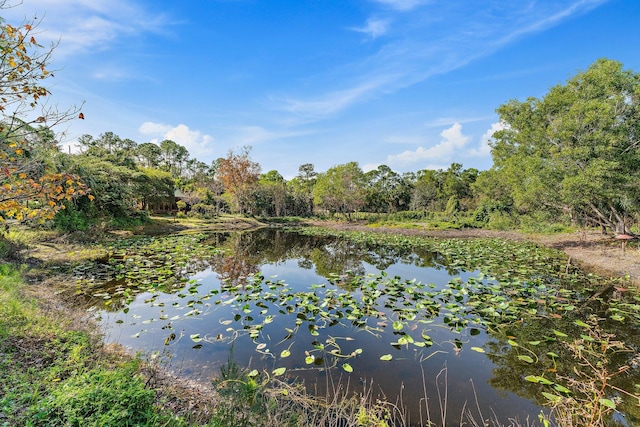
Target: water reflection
(314,305)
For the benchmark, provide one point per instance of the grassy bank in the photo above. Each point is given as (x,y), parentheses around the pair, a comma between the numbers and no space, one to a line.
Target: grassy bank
(54,370)
(54,373)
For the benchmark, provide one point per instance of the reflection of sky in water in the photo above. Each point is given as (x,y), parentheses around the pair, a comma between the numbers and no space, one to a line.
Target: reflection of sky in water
(157,327)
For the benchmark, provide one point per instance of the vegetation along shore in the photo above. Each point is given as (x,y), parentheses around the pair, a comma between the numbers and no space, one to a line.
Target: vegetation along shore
(141,286)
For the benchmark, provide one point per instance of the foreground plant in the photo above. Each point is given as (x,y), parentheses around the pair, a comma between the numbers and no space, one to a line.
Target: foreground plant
(591,395)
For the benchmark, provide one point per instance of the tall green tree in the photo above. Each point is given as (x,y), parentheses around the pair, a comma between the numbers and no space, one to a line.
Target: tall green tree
(148,155)
(426,190)
(387,190)
(173,157)
(577,149)
(274,191)
(341,189)
(109,146)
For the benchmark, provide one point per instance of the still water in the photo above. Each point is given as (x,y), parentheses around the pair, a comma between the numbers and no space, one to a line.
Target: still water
(333,313)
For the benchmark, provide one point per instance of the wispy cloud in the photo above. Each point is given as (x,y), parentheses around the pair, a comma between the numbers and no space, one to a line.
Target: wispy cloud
(435,38)
(374,28)
(87,25)
(551,19)
(333,102)
(402,5)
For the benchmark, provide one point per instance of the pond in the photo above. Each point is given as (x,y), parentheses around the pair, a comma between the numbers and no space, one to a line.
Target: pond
(439,327)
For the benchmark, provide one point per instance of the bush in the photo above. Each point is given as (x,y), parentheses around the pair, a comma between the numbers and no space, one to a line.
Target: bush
(501,221)
(71,219)
(201,210)
(136,218)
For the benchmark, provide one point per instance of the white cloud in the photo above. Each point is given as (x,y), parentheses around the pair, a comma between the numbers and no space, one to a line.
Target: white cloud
(453,141)
(150,128)
(374,28)
(370,166)
(85,25)
(334,102)
(484,150)
(198,144)
(252,135)
(402,5)
(431,40)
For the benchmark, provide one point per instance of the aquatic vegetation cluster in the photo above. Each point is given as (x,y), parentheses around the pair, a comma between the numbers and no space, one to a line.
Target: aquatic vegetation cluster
(531,305)
(145,264)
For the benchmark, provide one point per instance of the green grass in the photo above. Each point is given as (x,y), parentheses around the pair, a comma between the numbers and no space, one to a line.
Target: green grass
(51,375)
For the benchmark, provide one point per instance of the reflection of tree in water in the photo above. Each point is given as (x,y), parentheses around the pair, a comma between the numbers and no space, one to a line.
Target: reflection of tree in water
(248,251)
(157,266)
(337,259)
(330,256)
(233,270)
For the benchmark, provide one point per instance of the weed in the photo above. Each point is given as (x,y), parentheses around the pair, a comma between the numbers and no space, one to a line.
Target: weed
(593,396)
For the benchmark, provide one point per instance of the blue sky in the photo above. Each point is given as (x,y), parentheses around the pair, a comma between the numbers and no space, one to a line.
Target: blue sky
(412,84)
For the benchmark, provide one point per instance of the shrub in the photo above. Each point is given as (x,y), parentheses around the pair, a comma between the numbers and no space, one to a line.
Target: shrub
(71,219)
(501,221)
(201,210)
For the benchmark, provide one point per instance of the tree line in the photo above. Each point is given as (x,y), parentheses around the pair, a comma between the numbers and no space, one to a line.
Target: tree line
(128,180)
(571,156)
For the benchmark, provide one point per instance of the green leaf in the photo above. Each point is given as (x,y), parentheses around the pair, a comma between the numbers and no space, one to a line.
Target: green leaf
(195,337)
(581,324)
(561,388)
(285,353)
(538,380)
(279,371)
(253,373)
(478,349)
(386,357)
(397,325)
(309,359)
(347,367)
(552,397)
(560,334)
(608,403)
(525,359)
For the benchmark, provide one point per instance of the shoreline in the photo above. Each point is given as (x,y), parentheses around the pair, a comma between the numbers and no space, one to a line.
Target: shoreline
(592,251)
